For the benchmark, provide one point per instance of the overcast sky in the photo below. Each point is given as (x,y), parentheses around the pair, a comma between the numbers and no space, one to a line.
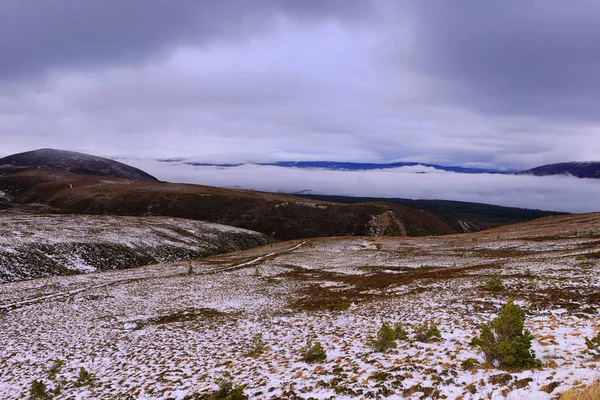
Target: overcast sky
(502,84)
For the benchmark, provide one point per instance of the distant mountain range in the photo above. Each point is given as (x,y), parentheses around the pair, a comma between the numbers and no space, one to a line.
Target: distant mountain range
(576,169)
(80,163)
(345,166)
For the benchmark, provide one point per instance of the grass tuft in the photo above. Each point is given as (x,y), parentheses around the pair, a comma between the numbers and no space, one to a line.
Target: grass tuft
(590,393)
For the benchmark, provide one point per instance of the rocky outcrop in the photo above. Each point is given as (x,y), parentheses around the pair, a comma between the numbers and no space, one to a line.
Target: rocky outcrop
(385,224)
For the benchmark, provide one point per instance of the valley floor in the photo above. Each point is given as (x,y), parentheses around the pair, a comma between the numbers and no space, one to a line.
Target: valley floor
(170,330)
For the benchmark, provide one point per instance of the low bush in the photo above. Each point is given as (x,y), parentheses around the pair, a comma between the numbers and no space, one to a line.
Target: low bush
(593,344)
(427,332)
(55,368)
(39,391)
(469,363)
(386,337)
(339,306)
(401,333)
(495,284)
(85,378)
(503,341)
(258,346)
(227,390)
(313,353)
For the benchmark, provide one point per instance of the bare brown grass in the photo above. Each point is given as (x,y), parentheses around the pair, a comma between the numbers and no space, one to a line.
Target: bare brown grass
(591,392)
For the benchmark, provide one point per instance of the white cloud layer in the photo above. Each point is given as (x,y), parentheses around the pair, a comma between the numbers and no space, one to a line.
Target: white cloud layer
(556,193)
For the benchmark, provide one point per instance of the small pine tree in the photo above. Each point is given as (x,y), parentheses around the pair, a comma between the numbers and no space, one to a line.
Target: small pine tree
(313,353)
(258,346)
(495,284)
(55,368)
(503,340)
(427,332)
(401,333)
(38,391)
(85,377)
(227,390)
(593,344)
(469,363)
(386,337)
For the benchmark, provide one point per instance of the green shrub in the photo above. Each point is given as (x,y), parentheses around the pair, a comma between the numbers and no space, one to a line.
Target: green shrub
(504,342)
(85,378)
(38,391)
(227,390)
(593,344)
(386,337)
(401,333)
(581,257)
(427,332)
(469,363)
(258,346)
(313,353)
(495,284)
(55,368)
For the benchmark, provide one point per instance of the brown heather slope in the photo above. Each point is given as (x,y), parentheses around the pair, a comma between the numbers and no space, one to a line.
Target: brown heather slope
(280,216)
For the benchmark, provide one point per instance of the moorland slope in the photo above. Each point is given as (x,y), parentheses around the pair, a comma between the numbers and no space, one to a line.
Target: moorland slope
(280,216)
(157,332)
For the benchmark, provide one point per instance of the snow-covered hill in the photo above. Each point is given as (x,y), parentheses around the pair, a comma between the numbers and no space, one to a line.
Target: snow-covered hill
(158,332)
(41,245)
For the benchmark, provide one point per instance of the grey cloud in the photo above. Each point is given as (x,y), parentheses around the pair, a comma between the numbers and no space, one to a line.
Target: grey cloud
(534,57)
(353,80)
(38,35)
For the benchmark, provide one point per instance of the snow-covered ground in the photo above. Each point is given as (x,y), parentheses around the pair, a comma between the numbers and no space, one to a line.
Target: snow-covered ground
(42,245)
(158,332)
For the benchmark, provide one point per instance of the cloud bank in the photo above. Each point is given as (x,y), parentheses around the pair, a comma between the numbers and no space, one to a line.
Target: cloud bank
(555,193)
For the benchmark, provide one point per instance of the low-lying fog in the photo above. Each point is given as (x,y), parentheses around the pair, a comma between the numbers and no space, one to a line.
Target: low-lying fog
(557,193)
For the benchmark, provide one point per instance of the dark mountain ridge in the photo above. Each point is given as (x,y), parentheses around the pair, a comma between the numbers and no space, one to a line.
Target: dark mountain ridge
(343,166)
(491,215)
(590,169)
(575,168)
(70,161)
